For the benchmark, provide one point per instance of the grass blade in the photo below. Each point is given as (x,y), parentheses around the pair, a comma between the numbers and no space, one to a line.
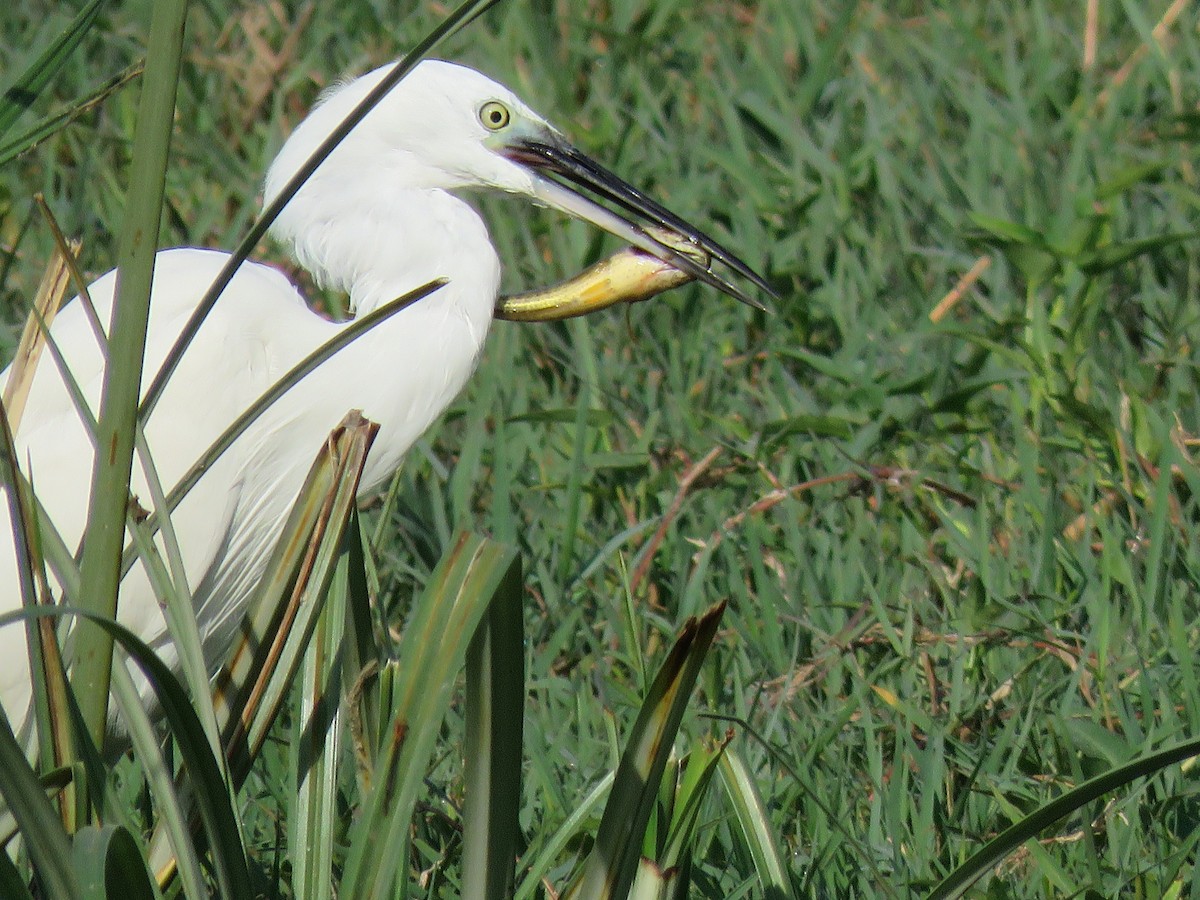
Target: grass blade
(751,815)
(613,864)
(495,696)
(566,832)
(12,885)
(20,95)
(11,148)
(252,688)
(318,739)
(173,815)
(49,846)
(690,790)
(216,812)
(101,565)
(431,654)
(109,865)
(958,882)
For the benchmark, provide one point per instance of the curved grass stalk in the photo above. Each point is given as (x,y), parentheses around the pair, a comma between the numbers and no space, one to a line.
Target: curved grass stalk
(958,882)
(285,383)
(458,19)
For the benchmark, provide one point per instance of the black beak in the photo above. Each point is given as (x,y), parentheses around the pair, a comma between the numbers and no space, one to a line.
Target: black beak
(556,157)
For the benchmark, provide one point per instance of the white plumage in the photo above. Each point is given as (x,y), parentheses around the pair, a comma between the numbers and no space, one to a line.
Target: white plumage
(379,218)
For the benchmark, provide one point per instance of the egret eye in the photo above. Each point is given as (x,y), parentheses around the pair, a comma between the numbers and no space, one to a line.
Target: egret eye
(494,115)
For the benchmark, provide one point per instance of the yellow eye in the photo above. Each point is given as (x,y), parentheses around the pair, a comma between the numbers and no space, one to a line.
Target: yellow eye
(494,115)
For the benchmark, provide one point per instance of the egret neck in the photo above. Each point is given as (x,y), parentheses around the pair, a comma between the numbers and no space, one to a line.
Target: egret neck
(375,249)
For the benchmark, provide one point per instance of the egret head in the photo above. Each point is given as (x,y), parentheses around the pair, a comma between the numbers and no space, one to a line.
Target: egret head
(448,127)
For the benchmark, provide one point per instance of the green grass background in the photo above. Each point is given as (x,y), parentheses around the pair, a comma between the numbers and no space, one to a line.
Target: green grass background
(960,556)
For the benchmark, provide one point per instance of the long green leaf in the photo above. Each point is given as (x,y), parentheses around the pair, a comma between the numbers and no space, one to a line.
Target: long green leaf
(58,743)
(431,654)
(570,829)
(173,814)
(614,860)
(691,790)
(24,530)
(110,866)
(101,565)
(751,815)
(19,96)
(12,884)
(958,882)
(252,687)
(49,846)
(13,147)
(495,697)
(216,813)
(172,591)
(467,12)
(316,744)
(363,652)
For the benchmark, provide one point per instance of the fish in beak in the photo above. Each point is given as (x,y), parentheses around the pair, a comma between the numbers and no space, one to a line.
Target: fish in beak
(562,175)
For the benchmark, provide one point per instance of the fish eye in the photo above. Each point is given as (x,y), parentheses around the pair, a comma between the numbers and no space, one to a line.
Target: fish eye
(494,115)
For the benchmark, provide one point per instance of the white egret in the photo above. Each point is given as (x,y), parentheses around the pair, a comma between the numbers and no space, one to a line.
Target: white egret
(380,217)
